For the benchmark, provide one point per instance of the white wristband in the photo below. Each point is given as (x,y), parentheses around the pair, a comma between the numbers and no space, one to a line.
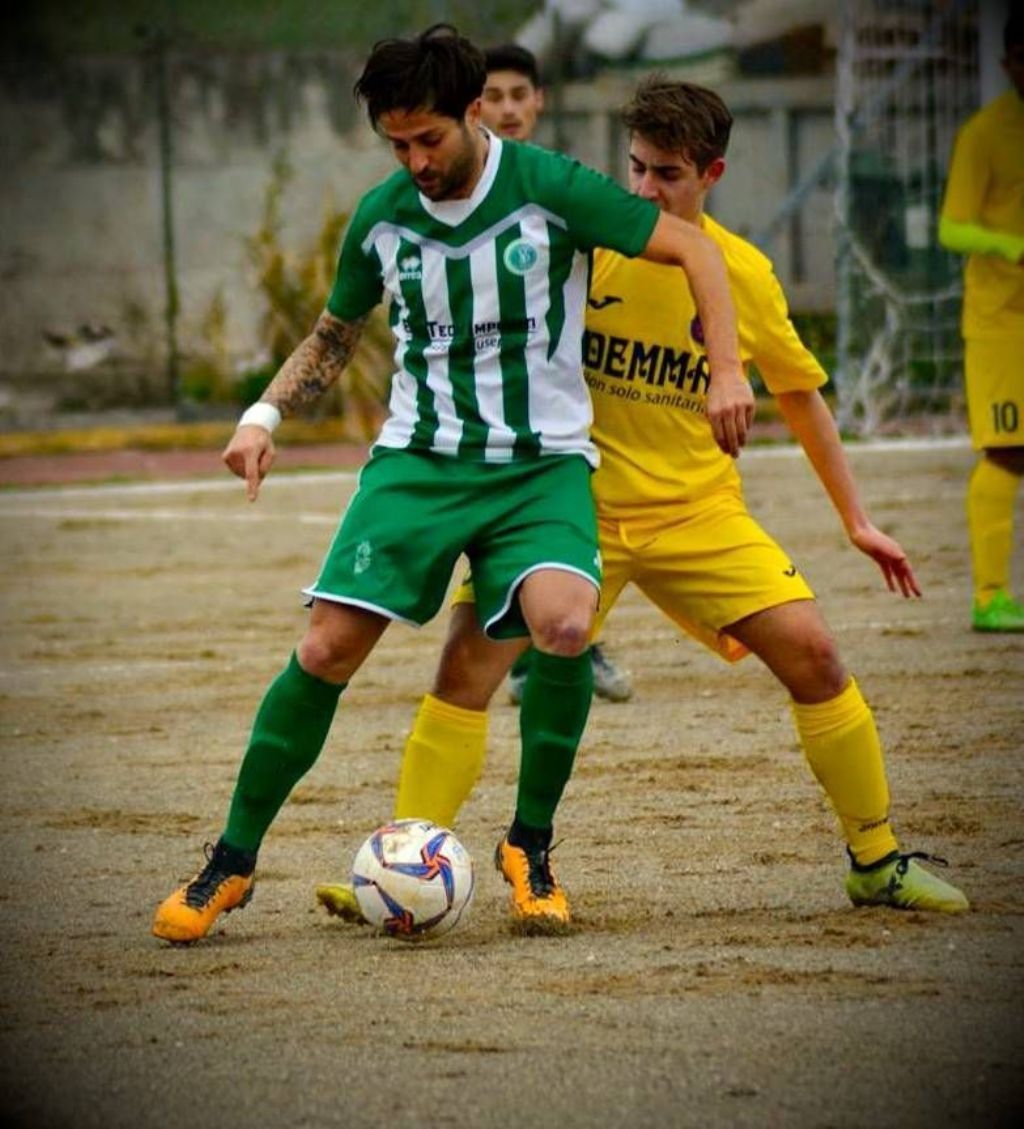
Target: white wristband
(262,414)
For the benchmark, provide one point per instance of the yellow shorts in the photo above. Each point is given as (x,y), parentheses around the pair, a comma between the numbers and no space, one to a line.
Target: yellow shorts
(994,371)
(705,565)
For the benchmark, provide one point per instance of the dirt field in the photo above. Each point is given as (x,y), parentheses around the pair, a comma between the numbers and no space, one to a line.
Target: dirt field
(716,976)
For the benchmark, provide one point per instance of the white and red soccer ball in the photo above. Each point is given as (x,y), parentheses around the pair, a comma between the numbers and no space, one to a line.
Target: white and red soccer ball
(413,879)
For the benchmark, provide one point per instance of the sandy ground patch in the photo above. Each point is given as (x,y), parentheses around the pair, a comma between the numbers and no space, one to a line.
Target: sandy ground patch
(716,975)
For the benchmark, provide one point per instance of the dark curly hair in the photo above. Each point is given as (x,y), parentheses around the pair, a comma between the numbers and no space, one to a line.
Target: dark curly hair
(438,70)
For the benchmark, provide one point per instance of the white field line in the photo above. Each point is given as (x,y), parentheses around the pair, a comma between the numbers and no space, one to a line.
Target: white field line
(247,518)
(75,670)
(919,445)
(36,502)
(298,478)
(221,484)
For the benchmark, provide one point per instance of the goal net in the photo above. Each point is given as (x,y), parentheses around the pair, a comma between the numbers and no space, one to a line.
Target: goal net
(907,78)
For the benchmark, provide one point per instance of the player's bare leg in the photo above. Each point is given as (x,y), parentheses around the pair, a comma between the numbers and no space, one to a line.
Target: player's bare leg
(839,738)
(472,666)
(794,642)
(289,731)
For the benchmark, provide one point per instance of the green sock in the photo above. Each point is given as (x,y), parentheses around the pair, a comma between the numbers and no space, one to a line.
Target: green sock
(522,664)
(556,701)
(289,731)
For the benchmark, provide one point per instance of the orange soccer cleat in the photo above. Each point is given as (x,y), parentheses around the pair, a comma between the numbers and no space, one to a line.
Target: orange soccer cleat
(224,884)
(539,904)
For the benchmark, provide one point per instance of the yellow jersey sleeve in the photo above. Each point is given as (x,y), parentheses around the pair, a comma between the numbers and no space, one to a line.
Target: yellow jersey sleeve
(767,336)
(647,370)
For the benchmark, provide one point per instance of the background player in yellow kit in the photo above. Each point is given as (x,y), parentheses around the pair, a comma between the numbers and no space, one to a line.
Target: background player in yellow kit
(983,218)
(672,518)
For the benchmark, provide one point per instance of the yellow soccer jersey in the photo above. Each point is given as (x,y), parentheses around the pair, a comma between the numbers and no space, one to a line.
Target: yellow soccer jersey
(986,187)
(647,372)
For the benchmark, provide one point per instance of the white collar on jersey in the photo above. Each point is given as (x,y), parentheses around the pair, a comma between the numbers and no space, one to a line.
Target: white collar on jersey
(454,212)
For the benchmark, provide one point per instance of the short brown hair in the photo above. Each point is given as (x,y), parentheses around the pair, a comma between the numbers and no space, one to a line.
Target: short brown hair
(681,118)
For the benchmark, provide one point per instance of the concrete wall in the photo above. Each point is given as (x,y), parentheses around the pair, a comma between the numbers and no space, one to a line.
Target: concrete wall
(81,240)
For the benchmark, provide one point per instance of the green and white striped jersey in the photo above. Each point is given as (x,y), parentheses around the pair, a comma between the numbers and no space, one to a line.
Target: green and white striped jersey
(487,297)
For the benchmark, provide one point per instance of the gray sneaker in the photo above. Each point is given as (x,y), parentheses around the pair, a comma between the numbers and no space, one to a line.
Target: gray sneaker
(610,682)
(516,682)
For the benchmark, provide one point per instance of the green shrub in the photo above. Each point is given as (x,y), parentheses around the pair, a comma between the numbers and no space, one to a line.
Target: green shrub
(295,288)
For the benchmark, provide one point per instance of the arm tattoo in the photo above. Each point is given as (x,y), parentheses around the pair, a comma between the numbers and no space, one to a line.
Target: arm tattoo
(315,365)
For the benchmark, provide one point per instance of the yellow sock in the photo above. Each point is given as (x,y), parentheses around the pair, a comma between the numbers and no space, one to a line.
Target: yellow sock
(441,762)
(991,493)
(842,747)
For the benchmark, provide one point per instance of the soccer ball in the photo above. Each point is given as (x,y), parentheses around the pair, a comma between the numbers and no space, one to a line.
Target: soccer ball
(413,879)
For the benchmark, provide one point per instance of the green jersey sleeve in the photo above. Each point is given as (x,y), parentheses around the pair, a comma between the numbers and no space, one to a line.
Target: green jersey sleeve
(358,282)
(601,213)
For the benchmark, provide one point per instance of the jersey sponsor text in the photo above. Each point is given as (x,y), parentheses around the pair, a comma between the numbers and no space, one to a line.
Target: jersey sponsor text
(628,359)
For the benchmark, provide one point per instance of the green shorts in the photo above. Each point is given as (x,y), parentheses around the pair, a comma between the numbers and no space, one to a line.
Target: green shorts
(413,514)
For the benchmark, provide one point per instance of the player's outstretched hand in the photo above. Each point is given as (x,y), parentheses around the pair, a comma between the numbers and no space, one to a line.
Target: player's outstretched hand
(890,558)
(250,454)
(730,412)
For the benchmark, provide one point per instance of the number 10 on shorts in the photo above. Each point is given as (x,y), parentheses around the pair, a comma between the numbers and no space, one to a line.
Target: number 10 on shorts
(1005,416)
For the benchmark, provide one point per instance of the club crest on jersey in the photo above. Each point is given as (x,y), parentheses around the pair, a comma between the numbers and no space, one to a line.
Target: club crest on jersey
(520,256)
(697,330)
(410,268)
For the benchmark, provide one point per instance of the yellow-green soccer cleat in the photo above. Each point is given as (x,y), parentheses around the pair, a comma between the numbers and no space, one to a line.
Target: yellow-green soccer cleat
(1001,613)
(340,901)
(226,883)
(899,881)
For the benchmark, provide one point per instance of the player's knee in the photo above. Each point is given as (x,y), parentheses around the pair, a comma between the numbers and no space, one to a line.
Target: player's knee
(823,655)
(324,658)
(819,674)
(567,636)
(833,679)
